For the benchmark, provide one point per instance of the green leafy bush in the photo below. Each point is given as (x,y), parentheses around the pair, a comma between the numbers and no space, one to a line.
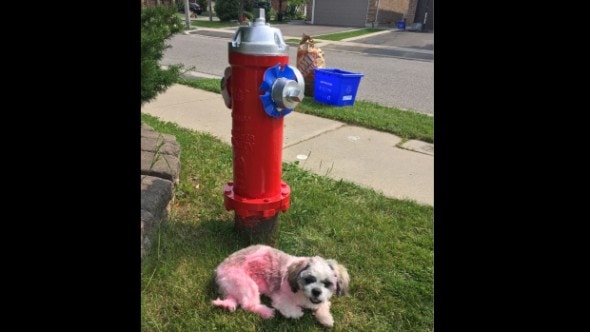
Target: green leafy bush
(249,15)
(158,24)
(204,4)
(227,10)
(293,12)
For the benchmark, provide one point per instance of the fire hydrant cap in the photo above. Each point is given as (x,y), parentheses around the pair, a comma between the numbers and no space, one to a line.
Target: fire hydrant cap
(259,38)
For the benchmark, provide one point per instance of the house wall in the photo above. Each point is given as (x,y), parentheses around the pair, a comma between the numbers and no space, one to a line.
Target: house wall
(351,13)
(372,12)
(423,7)
(391,11)
(384,13)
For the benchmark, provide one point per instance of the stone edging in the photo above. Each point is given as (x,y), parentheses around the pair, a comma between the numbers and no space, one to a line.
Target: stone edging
(160,169)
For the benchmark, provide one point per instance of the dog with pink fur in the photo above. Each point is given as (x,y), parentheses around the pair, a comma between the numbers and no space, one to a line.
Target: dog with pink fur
(292,283)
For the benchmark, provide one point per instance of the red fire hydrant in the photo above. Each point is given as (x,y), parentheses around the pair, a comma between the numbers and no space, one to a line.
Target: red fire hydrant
(260,88)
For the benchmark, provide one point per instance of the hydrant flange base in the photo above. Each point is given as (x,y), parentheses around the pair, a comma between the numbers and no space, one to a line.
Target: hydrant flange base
(257,207)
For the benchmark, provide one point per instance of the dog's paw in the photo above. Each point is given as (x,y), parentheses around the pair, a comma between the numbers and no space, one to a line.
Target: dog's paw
(324,318)
(327,321)
(227,304)
(291,312)
(266,312)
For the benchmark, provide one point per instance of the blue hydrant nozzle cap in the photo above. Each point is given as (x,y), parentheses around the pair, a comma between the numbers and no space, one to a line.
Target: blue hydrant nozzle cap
(283,88)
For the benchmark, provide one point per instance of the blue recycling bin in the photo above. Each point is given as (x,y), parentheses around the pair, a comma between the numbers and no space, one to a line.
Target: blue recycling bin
(336,86)
(401,24)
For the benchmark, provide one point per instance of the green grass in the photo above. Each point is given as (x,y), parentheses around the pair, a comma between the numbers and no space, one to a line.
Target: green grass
(337,36)
(214,24)
(386,245)
(405,124)
(347,34)
(207,23)
(219,24)
(208,84)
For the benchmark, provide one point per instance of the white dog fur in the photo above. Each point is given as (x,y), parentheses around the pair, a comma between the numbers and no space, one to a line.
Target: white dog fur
(292,283)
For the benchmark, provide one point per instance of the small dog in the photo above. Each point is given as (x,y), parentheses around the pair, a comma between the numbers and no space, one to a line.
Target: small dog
(292,283)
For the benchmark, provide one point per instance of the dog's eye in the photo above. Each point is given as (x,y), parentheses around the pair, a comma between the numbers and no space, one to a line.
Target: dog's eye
(309,280)
(327,284)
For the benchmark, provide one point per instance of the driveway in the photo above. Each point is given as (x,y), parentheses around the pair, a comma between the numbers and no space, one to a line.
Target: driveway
(397,38)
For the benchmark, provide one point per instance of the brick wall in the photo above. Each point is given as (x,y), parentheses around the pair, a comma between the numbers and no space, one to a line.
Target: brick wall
(351,13)
(391,11)
(372,11)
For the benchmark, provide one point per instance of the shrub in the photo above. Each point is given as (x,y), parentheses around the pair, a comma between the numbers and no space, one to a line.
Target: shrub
(158,24)
(249,5)
(204,4)
(227,10)
(292,12)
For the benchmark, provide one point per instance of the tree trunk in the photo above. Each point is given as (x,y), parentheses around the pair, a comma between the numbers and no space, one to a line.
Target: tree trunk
(241,11)
(187,14)
(210,12)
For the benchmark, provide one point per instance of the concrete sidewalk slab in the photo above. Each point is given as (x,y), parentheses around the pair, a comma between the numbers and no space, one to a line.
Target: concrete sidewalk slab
(301,127)
(193,109)
(419,146)
(368,158)
(206,112)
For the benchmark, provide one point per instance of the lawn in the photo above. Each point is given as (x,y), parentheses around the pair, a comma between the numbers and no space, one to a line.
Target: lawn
(347,34)
(405,124)
(214,24)
(217,24)
(338,36)
(386,245)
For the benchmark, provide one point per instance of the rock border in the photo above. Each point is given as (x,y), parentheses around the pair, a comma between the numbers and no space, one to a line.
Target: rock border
(160,169)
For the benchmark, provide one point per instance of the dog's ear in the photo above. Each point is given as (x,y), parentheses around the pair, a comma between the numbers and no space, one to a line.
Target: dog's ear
(342,277)
(293,273)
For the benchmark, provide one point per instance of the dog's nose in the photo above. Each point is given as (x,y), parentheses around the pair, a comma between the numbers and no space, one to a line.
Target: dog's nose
(316,292)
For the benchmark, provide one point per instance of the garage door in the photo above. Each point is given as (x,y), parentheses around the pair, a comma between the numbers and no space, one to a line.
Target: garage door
(341,12)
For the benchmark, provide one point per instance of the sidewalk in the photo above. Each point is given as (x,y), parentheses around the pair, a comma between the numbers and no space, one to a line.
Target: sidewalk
(329,148)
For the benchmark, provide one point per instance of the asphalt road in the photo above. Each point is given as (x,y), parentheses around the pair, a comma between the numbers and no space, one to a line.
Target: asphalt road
(407,83)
